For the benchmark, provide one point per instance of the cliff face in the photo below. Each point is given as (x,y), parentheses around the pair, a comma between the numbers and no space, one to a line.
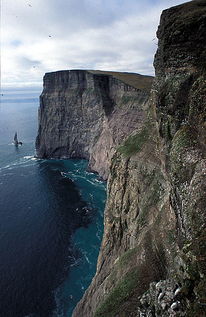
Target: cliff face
(152,260)
(87,114)
(153,255)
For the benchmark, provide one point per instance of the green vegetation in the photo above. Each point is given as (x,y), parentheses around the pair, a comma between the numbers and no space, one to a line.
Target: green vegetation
(153,180)
(184,139)
(127,257)
(134,143)
(124,289)
(142,220)
(126,99)
(197,105)
(171,236)
(151,199)
(132,79)
(197,309)
(89,90)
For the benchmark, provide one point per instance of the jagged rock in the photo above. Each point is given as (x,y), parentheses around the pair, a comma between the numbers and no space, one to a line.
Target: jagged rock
(160,300)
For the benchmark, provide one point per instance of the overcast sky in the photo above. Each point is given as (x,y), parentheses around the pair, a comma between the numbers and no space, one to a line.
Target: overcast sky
(39,36)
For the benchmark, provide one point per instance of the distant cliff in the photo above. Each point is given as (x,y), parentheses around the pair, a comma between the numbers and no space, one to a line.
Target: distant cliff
(153,255)
(87,114)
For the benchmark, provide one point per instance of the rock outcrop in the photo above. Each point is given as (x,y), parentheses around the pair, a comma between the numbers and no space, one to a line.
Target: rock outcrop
(152,260)
(87,114)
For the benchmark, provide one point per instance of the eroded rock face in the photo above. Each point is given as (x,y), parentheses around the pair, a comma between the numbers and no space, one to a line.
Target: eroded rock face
(87,114)
(139,227)
(153,255)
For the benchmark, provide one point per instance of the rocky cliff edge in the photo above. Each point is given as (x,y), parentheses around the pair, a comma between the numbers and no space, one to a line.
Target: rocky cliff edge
(87,114)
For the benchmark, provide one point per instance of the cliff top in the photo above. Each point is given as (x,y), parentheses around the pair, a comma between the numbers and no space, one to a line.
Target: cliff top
(138,81)
(181,35)
(189,9)
(132,79)
(186,13)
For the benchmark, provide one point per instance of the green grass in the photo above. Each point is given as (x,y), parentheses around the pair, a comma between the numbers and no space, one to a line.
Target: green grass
(183,141)
(126,99)
(124,289)
(127,257)
(134,143)
(132,79)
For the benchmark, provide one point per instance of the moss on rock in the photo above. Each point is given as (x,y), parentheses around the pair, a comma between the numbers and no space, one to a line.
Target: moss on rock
(134,143)
(111,305)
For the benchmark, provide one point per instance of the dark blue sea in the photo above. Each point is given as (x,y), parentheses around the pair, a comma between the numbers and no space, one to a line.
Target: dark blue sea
(51,219)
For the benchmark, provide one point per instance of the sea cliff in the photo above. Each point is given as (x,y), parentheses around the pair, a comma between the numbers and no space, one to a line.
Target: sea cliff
(152,260)
(87,114)
(153,256)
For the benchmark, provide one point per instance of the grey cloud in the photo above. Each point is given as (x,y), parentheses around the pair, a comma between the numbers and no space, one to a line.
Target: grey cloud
(27,62)
(91,13)
(63,34)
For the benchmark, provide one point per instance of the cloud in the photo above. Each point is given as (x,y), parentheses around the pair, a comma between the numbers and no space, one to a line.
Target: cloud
(41,36)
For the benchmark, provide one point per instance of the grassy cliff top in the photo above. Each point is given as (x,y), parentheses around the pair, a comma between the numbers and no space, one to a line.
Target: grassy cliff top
(138,81)
(132,79)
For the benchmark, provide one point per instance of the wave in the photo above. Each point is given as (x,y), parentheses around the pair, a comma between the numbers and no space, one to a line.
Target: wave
(25,161)
(77,176)
(86,257)
(27,157)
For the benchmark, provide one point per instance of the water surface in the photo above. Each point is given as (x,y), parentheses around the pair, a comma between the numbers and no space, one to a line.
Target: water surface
(51,219)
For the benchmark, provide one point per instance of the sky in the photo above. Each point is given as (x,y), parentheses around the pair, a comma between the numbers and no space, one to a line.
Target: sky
(39,36)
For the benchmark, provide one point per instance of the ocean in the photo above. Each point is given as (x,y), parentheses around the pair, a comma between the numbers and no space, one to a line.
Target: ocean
(51,219)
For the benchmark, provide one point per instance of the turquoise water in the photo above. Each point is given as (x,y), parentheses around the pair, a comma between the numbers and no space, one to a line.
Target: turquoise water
(87,240)
(51,219)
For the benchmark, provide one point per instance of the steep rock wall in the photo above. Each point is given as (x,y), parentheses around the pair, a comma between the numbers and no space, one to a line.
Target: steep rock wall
(87,114)
(153,256)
